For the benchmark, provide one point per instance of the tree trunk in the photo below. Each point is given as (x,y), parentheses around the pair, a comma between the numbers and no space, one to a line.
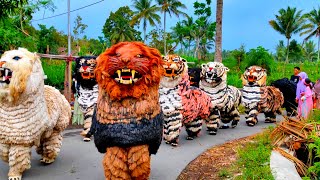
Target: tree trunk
(164,33)
(144,30)
(218,53)
(287,58)
(318,61)
(318,48)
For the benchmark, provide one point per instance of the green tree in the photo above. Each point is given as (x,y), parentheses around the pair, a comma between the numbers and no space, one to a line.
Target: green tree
(309,50)
(239,55)
(280,51)
(78,29)
(10,7)
(117,27)
(313,27)
(145,13)
(289,21)
(50,39)
(218,51)
(295,52)
(171,7)
(179,33)
(188,25)
(203,31)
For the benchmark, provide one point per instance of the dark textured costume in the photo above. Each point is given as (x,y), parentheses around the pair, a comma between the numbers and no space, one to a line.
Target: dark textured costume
(194,76)
(288,89)
(86,89)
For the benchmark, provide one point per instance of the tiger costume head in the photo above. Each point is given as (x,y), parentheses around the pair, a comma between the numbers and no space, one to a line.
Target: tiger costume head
(254,75)
(84,71)
(175,68)
(213,73)
(129,69)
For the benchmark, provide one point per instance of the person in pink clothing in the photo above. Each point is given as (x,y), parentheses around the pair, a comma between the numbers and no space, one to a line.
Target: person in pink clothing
(306,100)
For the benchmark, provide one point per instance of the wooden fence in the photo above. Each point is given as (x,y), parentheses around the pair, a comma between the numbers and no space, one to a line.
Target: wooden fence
(68,71)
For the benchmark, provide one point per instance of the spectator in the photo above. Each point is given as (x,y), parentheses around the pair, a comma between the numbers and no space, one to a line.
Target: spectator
(300,90)
(295,77)
(306,99)
(316,94)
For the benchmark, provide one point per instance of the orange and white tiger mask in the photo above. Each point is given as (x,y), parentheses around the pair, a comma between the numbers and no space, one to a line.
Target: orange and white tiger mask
(175,68)
(254,75)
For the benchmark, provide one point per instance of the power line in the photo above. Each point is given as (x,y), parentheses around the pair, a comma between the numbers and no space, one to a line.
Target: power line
(67,12)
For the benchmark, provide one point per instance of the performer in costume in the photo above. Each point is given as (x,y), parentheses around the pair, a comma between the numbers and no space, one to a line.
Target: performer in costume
(128,122)
(225,99)
(182,104)
(31,113)
(86,90)
(288,89)
(257,97)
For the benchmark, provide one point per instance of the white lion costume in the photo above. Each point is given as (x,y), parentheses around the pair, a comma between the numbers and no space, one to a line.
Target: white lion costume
(31,113)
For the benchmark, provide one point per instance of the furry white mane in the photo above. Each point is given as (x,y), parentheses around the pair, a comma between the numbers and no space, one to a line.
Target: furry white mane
(27,75)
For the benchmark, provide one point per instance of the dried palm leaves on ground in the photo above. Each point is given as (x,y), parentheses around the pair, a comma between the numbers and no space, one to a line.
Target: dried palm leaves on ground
(210,163)
(245,158)
(295,134)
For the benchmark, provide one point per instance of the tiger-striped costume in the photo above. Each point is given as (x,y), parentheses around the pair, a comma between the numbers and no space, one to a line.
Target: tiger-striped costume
(225,99)
(182,104)
(257,97)
(87,90)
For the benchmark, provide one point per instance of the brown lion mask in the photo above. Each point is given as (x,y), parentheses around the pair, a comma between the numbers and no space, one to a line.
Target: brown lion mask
(128,69)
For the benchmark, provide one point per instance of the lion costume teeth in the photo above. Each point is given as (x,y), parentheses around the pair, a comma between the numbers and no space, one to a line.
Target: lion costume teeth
(127,76)
(128,122)
(31,113)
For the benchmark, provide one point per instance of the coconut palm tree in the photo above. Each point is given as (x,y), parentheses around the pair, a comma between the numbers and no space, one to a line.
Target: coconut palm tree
(309,50)
(218,52)
(171,7)
(288,22)
(188,25)
(313,28)
(178,33)
(145,12)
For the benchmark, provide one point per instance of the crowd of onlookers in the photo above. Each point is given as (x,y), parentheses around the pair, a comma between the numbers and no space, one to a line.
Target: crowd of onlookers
(307,93)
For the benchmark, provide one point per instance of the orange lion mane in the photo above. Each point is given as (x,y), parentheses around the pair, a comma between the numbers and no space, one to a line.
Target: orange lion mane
(150,68)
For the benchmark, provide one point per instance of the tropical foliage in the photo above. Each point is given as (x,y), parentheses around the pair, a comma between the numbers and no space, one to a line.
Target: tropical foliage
(117,27)
(288,22)
(145,13)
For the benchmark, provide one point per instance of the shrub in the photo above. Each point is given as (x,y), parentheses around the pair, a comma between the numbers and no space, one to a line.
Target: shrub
(259,57)
(54,69)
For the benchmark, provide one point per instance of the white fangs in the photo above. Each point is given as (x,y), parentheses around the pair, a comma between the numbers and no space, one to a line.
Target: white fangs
(127,80)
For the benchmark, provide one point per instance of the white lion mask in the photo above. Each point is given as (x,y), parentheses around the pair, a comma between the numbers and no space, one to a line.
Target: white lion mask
(20,74)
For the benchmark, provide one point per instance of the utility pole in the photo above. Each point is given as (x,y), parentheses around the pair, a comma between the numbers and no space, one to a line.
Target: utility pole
(68,78)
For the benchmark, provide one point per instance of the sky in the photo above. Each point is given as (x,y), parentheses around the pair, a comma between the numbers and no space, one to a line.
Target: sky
(245,22)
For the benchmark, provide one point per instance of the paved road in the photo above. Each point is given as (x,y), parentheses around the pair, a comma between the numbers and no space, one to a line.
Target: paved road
(80,160)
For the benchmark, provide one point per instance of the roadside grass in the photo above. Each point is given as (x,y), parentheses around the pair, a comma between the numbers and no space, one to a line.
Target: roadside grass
(253,160)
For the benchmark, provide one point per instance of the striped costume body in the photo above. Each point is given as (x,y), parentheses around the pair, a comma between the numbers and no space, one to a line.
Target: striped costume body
(87,101)
(224,99)
(182,104)
(258,98)
(87,90)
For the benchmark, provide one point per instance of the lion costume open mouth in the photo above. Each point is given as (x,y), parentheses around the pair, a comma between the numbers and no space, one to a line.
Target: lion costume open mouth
(5,75)
(127,76)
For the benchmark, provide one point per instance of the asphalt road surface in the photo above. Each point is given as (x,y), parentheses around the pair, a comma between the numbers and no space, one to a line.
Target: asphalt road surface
(79,160)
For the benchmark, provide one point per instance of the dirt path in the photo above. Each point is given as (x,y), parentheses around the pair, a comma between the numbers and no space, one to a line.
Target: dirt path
(79,160)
